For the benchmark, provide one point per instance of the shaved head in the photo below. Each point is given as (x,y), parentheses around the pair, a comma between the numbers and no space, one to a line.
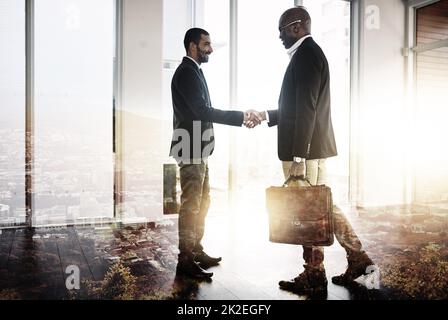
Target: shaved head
(294,14)
(294,24)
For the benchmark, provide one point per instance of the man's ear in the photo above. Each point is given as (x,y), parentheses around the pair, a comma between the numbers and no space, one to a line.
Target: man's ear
(296,29)
(192,47)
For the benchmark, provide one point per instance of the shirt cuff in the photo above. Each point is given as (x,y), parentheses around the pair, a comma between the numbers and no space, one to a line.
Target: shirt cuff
(267,116)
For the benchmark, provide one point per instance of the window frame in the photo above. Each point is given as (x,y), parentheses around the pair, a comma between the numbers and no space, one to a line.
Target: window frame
(29,112)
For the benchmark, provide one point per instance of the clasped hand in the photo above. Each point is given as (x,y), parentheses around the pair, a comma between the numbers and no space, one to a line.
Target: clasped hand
(252,118)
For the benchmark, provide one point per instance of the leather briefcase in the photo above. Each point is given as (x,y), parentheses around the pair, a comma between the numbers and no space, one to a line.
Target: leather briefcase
(300,215)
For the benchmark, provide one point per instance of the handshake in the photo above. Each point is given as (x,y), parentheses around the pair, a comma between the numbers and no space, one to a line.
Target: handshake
(253,118)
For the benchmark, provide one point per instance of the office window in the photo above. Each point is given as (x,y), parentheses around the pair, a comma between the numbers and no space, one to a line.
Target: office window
(430,130)
(330,28)
(214,17)
(74,51)
(12,112)
(262,61)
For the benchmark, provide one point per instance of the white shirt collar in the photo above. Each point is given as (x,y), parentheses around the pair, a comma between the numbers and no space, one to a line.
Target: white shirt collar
(199,67)
(296,45)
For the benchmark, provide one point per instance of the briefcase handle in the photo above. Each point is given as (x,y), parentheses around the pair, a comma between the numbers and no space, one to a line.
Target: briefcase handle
(291,178)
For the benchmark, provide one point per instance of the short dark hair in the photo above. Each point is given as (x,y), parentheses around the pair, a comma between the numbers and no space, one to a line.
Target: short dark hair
(193,35)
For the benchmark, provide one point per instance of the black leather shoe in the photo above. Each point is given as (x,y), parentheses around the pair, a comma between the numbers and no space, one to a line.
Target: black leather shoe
(205,261)
(191,269)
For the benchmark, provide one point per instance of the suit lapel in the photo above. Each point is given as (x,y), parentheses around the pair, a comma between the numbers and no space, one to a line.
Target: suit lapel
(201,78)
(206,87)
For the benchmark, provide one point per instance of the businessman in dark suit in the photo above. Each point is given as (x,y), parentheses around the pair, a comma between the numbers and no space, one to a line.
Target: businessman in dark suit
(192,143)
(306,140)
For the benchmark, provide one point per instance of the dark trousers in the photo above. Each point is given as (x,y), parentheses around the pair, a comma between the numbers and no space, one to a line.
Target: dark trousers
(195,201)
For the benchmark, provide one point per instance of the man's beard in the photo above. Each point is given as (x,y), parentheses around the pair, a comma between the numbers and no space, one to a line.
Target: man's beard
(203,56)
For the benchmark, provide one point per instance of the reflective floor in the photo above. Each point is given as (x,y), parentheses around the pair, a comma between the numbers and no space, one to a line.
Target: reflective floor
(33,263)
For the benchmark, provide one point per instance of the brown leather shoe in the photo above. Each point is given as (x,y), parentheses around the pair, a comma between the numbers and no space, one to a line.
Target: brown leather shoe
(311,281)
(357,266)
(205,261)
(189,268)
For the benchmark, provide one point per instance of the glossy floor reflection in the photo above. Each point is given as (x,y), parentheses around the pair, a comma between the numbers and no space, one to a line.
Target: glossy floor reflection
(252,266)
(33,262)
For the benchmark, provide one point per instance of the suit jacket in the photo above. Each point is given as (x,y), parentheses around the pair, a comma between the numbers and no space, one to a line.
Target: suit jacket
(303,116)
(193,113)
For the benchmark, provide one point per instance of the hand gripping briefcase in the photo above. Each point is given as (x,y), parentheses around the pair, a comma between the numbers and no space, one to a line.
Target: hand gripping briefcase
(300,215)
